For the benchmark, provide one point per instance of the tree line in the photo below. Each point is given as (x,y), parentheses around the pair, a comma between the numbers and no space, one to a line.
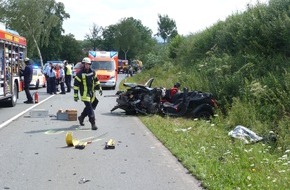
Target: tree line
(41,22)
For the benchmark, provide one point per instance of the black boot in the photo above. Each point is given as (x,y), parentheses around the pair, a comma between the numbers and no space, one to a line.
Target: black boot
(94,127)
(81,120)
(93,123)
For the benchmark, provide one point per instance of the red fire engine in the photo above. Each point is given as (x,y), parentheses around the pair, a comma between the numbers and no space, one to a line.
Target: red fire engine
(12,52)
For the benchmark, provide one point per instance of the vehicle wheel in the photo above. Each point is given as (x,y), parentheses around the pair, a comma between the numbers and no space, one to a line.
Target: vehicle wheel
(204,115)
(130,112)
(114,87)
(37,84)
(12,102)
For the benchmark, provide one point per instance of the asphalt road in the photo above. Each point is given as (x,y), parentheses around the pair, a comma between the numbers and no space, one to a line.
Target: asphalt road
(34,154)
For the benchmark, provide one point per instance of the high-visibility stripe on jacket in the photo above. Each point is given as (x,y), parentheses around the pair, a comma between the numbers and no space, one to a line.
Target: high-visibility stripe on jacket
(86,82)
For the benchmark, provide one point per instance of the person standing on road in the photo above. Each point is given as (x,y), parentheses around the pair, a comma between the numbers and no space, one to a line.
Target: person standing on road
(68,75)
(52,80)
(86,82)
(46,73)
(27,74)
(62,79)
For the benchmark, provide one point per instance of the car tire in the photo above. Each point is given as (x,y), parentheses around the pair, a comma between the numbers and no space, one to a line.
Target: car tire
(205,114)
(13,100)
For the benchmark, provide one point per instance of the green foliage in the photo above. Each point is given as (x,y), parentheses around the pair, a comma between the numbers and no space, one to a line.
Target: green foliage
(244,62)
(39,21)
(71,49)
(157,57)
(174,45)
(129,37)
(95,37)
(166,28)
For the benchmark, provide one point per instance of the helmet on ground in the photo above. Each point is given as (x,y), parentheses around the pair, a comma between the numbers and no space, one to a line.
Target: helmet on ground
(69,138)
(177,85)
(86,60)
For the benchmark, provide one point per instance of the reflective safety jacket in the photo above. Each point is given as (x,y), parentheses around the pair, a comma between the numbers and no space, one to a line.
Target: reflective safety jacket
(86,82)
(68,69)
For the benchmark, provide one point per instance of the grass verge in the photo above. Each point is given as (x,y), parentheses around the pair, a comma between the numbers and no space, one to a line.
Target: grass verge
(217,159)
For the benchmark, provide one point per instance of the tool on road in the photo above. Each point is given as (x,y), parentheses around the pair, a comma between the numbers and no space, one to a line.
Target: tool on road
(110,144)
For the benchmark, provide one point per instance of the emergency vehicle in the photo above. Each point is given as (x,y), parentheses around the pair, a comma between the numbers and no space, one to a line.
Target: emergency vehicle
(12,52)
(106,65)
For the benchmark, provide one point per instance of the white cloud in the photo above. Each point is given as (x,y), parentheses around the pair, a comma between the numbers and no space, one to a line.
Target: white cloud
(190,16)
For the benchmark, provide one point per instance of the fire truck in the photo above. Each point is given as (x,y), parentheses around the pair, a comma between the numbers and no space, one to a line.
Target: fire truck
(12,52)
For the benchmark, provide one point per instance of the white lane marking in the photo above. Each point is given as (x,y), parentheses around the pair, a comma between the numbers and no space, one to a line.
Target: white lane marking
(20,114)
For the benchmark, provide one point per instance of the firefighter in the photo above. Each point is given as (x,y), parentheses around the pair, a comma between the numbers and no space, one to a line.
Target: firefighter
(27,73)
(85,84)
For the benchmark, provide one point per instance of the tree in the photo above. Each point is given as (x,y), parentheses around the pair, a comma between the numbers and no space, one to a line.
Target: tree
(166,28)
(129,37)
(71,49)
(95,36)
(51,47)
(109,36)
(33,19)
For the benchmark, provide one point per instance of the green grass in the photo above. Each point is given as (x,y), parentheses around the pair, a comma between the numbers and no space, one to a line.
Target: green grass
(217,159)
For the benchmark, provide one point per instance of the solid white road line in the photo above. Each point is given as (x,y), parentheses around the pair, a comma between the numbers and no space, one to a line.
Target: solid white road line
(20,114)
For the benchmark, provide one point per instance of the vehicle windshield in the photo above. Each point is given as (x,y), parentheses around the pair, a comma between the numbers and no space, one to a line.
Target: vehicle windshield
(103,65)
(34,72)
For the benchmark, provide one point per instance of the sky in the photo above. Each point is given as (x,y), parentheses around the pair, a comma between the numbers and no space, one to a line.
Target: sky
(190,16)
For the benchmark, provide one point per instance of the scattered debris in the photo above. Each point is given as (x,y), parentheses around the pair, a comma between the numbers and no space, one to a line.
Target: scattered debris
(80,143)
(69,115)
(70,141)
(110,144)
(83,180)
(183,130)
(245,134)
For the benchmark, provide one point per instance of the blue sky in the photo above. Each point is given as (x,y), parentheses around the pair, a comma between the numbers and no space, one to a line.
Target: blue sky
(190,16)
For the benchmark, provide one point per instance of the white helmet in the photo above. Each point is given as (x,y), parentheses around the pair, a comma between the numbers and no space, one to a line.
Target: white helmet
(86,60)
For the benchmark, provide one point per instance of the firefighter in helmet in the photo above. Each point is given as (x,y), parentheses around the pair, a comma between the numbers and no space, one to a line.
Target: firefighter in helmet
(86,83)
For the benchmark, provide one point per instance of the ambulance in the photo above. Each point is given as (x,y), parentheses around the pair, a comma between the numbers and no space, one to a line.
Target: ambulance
(105,63)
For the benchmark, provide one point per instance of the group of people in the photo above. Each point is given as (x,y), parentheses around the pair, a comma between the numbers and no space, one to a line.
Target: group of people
(58,75)
(85,84)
